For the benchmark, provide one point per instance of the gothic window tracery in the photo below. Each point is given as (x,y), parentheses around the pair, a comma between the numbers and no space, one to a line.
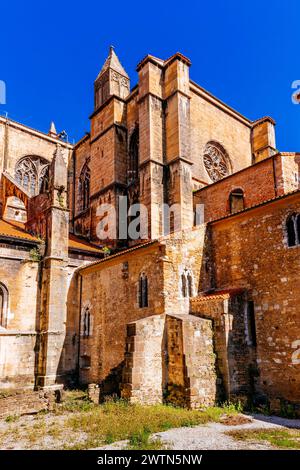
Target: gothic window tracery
(32,173)
(84,187)
(216,161)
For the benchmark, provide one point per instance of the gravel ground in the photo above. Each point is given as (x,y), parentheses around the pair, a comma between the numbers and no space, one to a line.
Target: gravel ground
(204,437)
(213,436)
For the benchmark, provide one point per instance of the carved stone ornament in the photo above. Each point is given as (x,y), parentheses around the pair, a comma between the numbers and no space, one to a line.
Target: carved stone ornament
(216,162)
(115,77)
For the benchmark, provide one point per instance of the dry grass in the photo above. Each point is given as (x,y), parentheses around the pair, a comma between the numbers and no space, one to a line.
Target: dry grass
(80,424)
(235,420)
(279,438)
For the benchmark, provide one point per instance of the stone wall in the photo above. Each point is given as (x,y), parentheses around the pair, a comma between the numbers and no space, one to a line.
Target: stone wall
(270,177)
(23,402)
(170,359)
(175,119)
(257,183)
(17,141)
(235,357)
(289,173)
(263,138)
(211,120)
(183,257)
(110,290)
(191,376)
(81,155)
(250,251)
(18,339)
(144,367)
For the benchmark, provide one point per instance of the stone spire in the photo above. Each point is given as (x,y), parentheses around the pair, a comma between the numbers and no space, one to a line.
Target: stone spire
(112,80)
(112,62)
(52,131)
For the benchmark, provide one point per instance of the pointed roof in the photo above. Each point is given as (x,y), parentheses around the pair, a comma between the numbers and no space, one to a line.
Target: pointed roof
(112,62)
(58,158)
(52,130)
(59,168)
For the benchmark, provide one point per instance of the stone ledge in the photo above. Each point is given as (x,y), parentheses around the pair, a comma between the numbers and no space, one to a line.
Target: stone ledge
(22,402)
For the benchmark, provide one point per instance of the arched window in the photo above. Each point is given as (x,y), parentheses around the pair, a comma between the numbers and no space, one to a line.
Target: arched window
(133,165)
(216,161)
(236,200)
(87,322)
(3,305)
(32,173)
(143,291)
(84,188)
(186,284)
(293,229)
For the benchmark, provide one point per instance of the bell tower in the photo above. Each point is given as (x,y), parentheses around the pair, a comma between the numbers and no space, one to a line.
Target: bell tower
(108,146)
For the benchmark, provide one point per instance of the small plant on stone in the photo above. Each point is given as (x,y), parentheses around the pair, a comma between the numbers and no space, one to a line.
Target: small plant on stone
(106,251)
(35,254)
(234,406)
(11,418)
(60,196)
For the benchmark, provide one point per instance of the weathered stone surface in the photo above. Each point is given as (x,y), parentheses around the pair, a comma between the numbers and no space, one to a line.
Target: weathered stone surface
(185,335)
(170,359)
(28,402)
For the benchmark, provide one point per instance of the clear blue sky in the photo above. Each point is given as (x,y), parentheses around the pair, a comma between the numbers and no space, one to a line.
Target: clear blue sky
(246,53)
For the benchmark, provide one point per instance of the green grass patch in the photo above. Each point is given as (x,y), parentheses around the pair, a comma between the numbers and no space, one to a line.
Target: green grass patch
(79,424)
(11,418)
(280,438)
(141,440)
(75,401)
(119,420)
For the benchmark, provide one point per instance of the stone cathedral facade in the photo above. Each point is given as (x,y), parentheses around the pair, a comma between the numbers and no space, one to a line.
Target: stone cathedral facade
(206,313)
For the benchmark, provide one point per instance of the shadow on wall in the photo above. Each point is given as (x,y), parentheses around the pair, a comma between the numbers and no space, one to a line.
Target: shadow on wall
(69,360)
(236,365)
(67,370)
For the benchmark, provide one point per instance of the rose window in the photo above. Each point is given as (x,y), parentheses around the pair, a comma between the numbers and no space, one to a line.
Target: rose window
(216,161)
